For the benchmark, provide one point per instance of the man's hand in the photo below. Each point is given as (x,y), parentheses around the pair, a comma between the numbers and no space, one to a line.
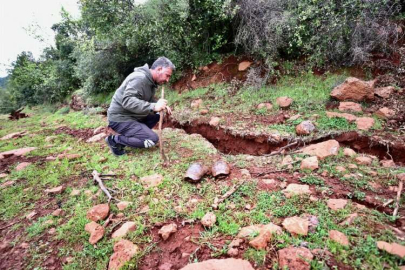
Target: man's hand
(160,105)
(169,110)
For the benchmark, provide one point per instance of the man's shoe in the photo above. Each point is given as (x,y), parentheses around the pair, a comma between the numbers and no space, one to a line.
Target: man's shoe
(116,148)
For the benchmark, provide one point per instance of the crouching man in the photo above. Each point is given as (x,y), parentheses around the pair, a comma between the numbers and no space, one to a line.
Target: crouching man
(133,109)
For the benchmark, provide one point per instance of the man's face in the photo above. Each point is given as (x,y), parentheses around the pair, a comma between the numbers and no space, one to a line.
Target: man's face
(163,75)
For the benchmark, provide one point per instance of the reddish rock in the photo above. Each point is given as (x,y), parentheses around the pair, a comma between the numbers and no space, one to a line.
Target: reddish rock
(287,160)
(305,128)
(122,205)
(294,258)
(310,163)
(296,225)
(349,220)
(265,234)
(75,192)
(220,264)
(354,89)
(57,212)
(151,180)
(340,169)
(3,175)
(96,232)
(233,252)
(339,237)
(204,112)
(284,102)
(124,229)
(384,92)
(31,215)
(209,220)
(98,212)
(296,189)
(195,104)
(350,107)
(364,123)
(193,78)
(13,135)
(97,137)
(385,113)
(215,121)
(363,160)
(167,230)
(349,152)
(55,190)
(336,204)
(69,156)
(352,166)
(22,166)
(349,117)
(393,248)
(294,117)
(323,149)
(244,65)
(387,163)
(124,250)
(268,106)
(17,152)
(52,231)
(7,184)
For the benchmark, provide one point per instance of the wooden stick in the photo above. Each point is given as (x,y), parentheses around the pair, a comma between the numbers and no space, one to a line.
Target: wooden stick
(161,114)
(97,178)
(226,195)
(400,186)
(280,150)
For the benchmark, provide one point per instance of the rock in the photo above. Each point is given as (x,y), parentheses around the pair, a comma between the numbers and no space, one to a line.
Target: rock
(195,104)
(385,113)
(124,229)
(24,245)
(305,128)
(233,252)
(50,158)
(98,212)
(88,193)
(124,250)
(236,243)
(349,152)
(193,78)
(209,220)
(214,121)
(165,266)
(352,166)
(339,237)
(336,204)
(7,184)
(220,264)
(364,123)
(350,107)
(50,139)
(296,189)
(297,258)
(13,135)
(296,225)
(387,163)
(265,234)
(57,212)
(31,215)
(97,138)
(22,166)
(3,175)
(122,205)
(323,149)
(394,248)
(96,232)
(284,102)
(204,112)
(349,220)
(310,163)
(349,117)
(384,92)
(266,105)
(52,231)
(294,117)
(151,180)
(313,221)
(244,65)
(340,169)
(17,152)
(354,89)
(245,173)
(98,130)
(287,160)
(55,190)
(69,156)
(75,192)
(167,230)
(363,160)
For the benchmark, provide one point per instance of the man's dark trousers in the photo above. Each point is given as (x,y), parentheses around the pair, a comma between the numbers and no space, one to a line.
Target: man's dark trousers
(137,134)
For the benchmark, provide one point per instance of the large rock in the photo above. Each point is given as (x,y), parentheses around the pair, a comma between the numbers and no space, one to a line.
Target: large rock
(98,212)
(209,220)
(296,225)
(323,149)
(393,248)
(310,163)
(96,232)
(336,204)
(152,180)
(294,258)
(339,237)
(244,65)
(222,264)
(385,113)
(354,89)
(22,166)
(124,229)
(364,123)
(17,152)
(363,160)
(97,137)
(349,117)
(167,230)
(124,250)
(296,189)
(284,102)
(350,107)
(348,152)
(305,128)
(384,92)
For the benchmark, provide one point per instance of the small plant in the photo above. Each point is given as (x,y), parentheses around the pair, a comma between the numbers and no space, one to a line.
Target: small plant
(312,180)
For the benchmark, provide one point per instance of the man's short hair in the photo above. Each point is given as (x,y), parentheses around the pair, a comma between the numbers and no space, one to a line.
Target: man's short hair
(163,62)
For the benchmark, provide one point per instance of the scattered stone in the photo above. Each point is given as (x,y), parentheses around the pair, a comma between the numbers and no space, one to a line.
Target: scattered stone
(124,250)
(305,128)
(167,230)
(284,102)
(236,243)
(294,117)
(393,248)
(13,135)
(336,204)
(7,184)
(266,105)
(296,189)
(354,89)
(69,259)
(297,258)
(3,175)
(385,113)
(122,205)
(151,180)
(384,92)
(98,130)
(313,222)
(265,234)
(363,160)
(323,149)
(56,190)
(75,192)
(233,252)
(339,237)
(193,78)
(340,169)
(310,163)
(69,156)
(287,160)
(220,264)
(31,215)
(124,229)
(350,107)
(120,215)
(97,138)
(244,65)
(98,212)
(245,173)
(57,212)
(204,111)
(17,152)
(296,225)
(387,163)
(50,158)
(214,121)
(195,104)
(24,245)
(349,117)
(22,166)
(349,220)
(364,123)
(209,220)
(48,222)
(52,231)
(352,166)
(348,152)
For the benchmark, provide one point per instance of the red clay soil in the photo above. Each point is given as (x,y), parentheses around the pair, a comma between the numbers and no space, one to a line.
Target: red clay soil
(83,134)
(6,163)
